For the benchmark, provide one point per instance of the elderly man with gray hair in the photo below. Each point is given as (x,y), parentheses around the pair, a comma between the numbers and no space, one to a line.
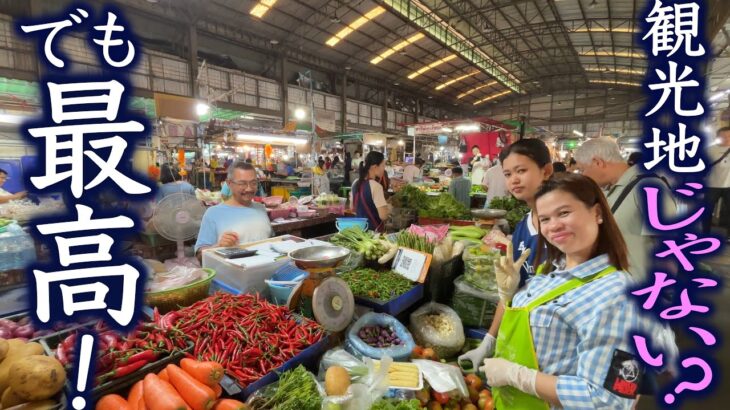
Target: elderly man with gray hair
(600,159)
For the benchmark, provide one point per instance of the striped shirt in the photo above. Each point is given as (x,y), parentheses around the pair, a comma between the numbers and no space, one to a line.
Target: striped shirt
(576,334)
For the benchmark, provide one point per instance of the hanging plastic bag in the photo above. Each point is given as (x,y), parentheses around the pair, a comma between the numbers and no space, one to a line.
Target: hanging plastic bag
(439,327)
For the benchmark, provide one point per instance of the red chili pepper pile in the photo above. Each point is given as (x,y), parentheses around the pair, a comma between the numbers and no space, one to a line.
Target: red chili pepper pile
(247,335)
(119,355)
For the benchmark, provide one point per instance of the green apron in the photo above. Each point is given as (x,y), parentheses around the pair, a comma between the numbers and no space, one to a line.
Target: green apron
(514,343)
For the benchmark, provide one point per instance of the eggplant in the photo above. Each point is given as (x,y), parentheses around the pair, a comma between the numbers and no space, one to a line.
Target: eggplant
(25,331)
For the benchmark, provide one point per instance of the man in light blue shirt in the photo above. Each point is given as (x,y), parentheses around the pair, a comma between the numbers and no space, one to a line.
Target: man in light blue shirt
(460,187)
(237,220)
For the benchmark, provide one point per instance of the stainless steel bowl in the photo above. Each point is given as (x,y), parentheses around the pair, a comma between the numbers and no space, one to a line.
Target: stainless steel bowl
(489,213)
(319,256)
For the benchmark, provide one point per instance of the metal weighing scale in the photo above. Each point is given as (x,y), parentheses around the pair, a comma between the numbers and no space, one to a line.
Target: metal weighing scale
(488,217)
(322,295)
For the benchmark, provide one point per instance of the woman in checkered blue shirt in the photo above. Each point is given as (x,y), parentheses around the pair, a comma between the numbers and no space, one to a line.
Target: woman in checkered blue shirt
(565,340)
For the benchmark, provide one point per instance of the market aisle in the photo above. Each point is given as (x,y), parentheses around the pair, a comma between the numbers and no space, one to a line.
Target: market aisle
(721,321)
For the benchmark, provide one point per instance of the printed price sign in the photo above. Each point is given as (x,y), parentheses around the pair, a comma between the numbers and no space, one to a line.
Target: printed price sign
(411,264)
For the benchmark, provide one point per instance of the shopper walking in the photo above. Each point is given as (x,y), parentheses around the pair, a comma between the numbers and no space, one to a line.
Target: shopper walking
(368,197)
(565,341)
(600,159)
(718,182)
(460,187)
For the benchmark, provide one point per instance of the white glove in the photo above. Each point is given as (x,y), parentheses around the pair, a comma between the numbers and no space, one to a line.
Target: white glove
(485,349)
(508,273)
(501,372)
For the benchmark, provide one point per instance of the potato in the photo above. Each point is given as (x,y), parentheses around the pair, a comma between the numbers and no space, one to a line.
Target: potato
(4,346)
(36,405)
(17,349)
(37,377)
(10,398)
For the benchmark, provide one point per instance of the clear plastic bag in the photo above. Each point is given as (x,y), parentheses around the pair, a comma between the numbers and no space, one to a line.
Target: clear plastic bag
(340,357)
(474,306)
(479,267)
(439,327)
(361,395)
(177,277)
(355,345)
(443,378)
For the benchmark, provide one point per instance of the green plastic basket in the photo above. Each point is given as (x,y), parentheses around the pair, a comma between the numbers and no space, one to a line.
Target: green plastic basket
(172,299)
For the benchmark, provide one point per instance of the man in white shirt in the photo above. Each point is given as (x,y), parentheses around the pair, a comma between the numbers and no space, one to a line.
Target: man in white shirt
(494,182)
(6,196)
(718,181)
(412,172)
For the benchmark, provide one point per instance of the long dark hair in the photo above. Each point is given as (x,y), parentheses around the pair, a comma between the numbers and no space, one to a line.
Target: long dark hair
(166,174)
(534,149)
(610,240)
(373,158)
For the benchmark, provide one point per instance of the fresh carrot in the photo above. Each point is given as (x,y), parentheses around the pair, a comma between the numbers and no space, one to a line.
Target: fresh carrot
(209,373)
(196,394)
(135,393)
(218,390)
(163,375)
(160,395)
(112,402)
(229,404)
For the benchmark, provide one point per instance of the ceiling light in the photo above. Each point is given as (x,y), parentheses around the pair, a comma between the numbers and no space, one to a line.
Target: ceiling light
(448,83)
(430,66)
(273,42)
(348,68)
(468,127)
(300,114)
(355,25)
(401,142)
(578,133)
(270,139)
(446,129)
(606,53)
(462,95)
(202,108)
(598,69)
(396,83)
(628,83)
(493,96)
(261,8)
(387,53)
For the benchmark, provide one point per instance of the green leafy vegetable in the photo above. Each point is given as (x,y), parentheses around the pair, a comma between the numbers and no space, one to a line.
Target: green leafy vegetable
(516,209)
(443,206)
(296,390)
(395,404)
(381,285)
(408,197)
(364,242)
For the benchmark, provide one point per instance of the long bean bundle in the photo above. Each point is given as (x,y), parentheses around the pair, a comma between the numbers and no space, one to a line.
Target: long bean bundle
(381,285)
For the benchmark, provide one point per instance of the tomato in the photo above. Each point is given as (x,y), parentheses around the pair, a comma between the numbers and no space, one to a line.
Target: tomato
(417,352)
(472,380)
(429,354)
(473,394)
(442,398)
(434,405)
(423,396)
(482,403)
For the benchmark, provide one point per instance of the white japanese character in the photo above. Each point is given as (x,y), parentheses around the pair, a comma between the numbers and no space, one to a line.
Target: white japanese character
(672,83)
(85,223)
(123,315)
(107,42)
(661,30)
(110,94)
(672,27)
(55,28)
(107,169)
(677,147)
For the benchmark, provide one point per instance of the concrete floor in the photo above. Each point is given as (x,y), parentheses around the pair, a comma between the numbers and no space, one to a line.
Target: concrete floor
(721,321)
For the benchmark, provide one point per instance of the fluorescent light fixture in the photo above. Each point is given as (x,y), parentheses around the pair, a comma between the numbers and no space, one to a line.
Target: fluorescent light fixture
(202,108)
(430,66)
(300,114)
(448,83)
(489,84)
(597,69)
(606,53)
(493,96)
(468,127)
(627,83)
(11,119)
(355,25)
(578,133)
(261,8)
(285,157)
(446,129)
(246,117)
(715,97)
(441,148)
(401,142)
(387,53)
(597,29)
(270,139)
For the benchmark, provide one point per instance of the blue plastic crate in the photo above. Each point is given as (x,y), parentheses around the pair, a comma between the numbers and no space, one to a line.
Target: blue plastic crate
(395,306)
(475,333)
(218,286)
(308,357)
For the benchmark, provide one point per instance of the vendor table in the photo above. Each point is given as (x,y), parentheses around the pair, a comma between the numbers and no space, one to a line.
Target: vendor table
(307,228)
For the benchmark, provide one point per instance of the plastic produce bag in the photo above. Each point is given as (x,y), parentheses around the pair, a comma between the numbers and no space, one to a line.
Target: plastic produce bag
(443,378)
(474,306)
(369,388)
(435,233)
(355,345)
(177,277)
(340,357)
(439,327)
(479,267)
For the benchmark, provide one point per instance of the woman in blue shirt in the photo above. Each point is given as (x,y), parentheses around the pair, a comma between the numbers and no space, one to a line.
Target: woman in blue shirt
(170,185)
(368,196)
(526,166)
(565,339)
